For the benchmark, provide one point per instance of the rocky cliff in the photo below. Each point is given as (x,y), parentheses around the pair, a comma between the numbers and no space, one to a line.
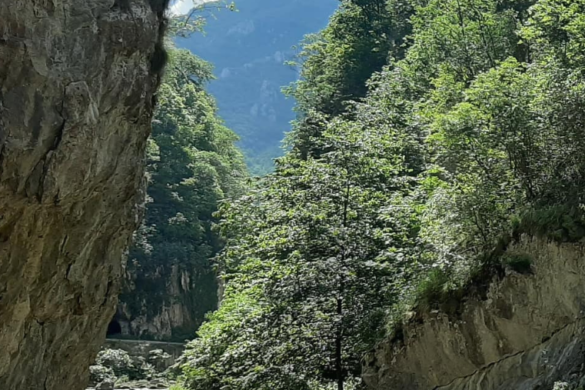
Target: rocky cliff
(168,303)
(526,333)
(76,97)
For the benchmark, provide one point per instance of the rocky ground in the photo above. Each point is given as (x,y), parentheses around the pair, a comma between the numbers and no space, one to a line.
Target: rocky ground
(154,384)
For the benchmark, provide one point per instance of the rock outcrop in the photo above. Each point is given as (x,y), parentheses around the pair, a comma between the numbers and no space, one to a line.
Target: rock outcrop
(526,333)
(167,304)
(76,97)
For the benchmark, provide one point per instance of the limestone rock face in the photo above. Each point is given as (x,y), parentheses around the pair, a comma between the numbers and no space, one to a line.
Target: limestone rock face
(169,304)
(528,333)
(76,88)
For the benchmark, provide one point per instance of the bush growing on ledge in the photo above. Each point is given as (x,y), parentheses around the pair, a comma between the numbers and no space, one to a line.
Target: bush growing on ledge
(560,223)
(433,289)
(99,373)
(444,286)
(521,263)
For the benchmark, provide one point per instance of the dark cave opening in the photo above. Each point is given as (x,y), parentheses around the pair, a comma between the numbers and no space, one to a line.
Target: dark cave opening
(114,328)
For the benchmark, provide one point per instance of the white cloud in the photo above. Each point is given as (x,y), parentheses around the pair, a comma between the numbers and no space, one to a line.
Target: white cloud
(181,7)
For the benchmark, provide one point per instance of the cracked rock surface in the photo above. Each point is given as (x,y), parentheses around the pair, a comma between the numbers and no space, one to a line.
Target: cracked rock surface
(76,89)
(528,332)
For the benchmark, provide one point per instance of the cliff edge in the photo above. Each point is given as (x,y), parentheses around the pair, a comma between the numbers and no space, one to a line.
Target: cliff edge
(526,333)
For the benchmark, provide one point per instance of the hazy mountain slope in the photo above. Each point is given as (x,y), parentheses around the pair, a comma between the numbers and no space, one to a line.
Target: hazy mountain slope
(249,49)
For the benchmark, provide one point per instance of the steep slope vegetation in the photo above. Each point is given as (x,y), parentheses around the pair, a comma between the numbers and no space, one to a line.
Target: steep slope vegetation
(192,165)
(248,49)
(431,136)
(76,85)
(525,332)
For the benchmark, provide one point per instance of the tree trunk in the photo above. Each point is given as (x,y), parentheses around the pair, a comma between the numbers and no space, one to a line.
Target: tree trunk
(76,87)
(338,347)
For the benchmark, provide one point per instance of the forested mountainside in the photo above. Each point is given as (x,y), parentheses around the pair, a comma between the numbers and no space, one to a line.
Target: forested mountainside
(249,50)
(192,165)
(432,137)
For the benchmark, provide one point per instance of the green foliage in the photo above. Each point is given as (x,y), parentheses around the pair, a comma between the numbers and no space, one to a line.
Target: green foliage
(99,373)
(196,19)
(337,63)
(117,360)
(116,364)
(519,262)
(403,187)
(557,222)
(434,288)
(193,165)
(556,30)
(496,138)
(312,259)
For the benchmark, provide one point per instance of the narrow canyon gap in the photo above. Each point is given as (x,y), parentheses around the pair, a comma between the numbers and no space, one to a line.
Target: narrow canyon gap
(77,80)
